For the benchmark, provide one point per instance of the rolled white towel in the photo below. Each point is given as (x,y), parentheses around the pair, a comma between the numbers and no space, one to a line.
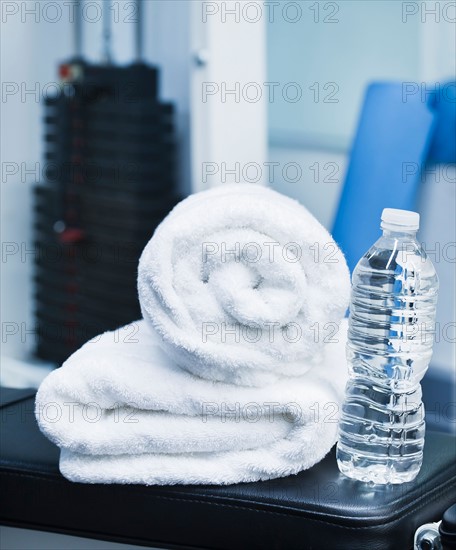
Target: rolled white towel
(122,412)
(243,285)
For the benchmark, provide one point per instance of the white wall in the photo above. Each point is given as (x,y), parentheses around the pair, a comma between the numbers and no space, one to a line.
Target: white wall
(229,126)
(312,176)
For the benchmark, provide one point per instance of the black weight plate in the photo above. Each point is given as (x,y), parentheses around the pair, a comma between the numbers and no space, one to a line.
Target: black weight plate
(85,292)
(81,309)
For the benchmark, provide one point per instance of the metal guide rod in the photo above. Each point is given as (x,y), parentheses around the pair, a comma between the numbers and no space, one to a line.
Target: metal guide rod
(139,30)
(77,30)
(107,54)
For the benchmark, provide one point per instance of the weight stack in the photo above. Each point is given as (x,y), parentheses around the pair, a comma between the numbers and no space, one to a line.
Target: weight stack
(110,165)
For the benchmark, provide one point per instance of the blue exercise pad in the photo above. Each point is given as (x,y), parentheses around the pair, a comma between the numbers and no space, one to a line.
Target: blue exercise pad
(390,148)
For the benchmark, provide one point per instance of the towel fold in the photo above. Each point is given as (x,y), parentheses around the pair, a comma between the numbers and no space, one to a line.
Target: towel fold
(240,283)
(123,412)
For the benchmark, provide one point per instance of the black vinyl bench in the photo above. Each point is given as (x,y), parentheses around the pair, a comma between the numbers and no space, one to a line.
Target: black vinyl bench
(316,509)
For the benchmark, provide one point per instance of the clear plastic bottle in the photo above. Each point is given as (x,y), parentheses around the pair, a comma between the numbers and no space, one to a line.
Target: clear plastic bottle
(391,332)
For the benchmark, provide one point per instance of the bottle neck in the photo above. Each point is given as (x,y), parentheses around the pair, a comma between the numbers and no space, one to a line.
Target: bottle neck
(402,234)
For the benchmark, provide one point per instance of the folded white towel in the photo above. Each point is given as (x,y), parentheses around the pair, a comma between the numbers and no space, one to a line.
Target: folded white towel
(122,412)
(241,284)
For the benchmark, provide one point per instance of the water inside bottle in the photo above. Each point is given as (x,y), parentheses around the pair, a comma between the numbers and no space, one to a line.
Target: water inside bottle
(391,332)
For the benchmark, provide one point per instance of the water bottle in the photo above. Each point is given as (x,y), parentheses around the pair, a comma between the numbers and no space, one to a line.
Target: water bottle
(390,337)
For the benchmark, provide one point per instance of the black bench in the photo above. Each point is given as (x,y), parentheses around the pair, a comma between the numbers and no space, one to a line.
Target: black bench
(318,508)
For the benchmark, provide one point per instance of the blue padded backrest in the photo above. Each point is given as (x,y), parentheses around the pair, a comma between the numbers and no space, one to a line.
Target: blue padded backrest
(390,148)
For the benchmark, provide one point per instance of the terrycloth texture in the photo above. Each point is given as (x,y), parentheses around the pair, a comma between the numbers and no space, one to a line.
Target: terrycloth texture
(250,316)
(238,369)
(123,412)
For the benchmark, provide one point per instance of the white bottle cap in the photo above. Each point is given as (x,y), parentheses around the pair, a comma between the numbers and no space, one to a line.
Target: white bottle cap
(400,220)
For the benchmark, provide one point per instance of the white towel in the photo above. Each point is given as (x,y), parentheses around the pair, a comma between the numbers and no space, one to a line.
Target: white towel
(242,284)
(122,412)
